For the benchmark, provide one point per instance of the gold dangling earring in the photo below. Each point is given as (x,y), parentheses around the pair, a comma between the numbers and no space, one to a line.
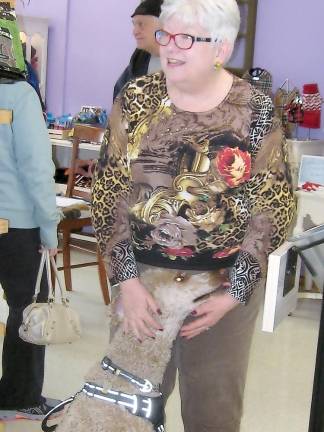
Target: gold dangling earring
(217,66)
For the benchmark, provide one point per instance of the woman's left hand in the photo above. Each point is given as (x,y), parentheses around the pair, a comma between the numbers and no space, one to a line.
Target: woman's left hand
(207,314)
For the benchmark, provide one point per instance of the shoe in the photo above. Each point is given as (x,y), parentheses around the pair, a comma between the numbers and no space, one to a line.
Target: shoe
(39,412)
(6,415)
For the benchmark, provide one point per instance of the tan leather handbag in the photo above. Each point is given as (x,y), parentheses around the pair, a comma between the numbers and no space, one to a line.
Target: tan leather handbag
(51,322)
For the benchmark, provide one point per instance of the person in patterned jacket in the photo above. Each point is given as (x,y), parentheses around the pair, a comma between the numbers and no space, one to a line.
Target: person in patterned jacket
(193,178)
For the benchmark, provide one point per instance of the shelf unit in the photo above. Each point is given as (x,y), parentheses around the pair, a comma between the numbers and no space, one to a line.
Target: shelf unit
(242,57)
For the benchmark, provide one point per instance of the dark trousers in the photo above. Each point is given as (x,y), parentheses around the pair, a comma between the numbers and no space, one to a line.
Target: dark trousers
(22,363)
(212,370)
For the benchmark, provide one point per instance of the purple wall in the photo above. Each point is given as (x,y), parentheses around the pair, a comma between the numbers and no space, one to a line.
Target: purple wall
(57,14)
(90,46)
(100,44)
(289,44)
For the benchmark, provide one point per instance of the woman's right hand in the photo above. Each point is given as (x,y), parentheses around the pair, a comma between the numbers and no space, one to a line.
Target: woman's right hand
(52,251)
(138,306)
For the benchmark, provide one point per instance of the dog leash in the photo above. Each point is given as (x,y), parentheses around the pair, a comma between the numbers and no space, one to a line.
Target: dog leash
(57,408)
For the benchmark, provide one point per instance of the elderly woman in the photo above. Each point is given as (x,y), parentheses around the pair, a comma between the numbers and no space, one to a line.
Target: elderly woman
(192,178)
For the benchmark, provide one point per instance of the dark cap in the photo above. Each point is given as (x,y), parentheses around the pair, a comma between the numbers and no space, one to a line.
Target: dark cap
(149,7)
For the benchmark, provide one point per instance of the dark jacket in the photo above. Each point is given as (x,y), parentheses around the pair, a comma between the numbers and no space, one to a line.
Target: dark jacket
(33,80)
(138,66)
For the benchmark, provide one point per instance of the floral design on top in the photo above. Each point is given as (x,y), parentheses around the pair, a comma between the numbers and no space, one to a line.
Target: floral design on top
(233,165)
(185,190)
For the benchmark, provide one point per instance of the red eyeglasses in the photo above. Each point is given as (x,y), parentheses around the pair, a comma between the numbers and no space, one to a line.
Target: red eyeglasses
(182,40)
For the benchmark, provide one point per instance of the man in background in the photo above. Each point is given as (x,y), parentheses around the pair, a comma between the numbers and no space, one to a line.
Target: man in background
(145,59)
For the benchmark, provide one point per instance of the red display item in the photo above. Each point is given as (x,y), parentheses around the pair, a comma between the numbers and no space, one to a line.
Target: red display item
(312,102)
(295,112)
(310,186)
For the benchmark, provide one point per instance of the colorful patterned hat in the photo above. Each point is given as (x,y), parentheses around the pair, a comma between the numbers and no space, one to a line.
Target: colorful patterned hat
(149,7)
(259,78)
(12,63)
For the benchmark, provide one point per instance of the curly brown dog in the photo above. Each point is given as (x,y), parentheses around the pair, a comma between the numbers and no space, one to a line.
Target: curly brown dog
(121,393)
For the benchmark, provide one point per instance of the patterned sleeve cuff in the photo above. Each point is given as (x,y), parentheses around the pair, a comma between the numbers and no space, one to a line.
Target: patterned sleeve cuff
(244,277)
(123,263)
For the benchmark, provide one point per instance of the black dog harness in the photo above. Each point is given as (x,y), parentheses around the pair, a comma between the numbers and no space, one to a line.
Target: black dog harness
(149,408)
(144,385)
(146,407)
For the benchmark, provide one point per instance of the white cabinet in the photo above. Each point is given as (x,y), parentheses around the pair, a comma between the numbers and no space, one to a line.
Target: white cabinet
(34,33)
(297,148)
(310,211)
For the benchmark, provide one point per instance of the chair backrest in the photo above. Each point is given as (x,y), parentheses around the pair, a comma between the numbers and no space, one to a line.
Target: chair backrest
(81,133)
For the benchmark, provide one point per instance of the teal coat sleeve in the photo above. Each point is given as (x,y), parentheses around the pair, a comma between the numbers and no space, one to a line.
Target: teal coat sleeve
(34,162)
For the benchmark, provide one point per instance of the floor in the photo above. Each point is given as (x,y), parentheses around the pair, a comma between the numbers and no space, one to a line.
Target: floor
(279,384)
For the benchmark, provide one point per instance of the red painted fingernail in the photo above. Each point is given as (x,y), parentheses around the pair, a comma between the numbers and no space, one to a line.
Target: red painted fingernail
(161,329)
(159,312)
(194,312)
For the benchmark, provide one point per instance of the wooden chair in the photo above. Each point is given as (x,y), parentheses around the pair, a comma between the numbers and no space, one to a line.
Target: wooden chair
(72,223)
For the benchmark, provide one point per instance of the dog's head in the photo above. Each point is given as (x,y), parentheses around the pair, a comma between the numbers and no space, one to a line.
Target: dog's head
(178,293)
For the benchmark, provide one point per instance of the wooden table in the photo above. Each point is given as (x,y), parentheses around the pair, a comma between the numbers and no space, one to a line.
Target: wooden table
(62,151)
(67,143)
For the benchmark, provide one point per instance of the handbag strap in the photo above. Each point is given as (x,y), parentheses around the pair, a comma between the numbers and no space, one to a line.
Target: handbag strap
(39,276)
(61,286)
(49,263)
(51,294)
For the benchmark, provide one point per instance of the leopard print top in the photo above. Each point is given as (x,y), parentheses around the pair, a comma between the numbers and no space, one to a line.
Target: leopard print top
(188,190)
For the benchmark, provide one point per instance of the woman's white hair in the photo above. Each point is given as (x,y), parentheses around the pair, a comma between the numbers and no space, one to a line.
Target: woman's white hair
(220,18)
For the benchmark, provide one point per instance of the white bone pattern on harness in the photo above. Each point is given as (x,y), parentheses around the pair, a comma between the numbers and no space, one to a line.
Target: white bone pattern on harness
(131,402)
(144,385)
(136,404)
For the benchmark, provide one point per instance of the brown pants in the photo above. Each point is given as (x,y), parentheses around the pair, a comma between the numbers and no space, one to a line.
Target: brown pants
(212,371)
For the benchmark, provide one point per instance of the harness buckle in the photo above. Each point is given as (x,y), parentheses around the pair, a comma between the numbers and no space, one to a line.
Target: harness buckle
(147,387)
